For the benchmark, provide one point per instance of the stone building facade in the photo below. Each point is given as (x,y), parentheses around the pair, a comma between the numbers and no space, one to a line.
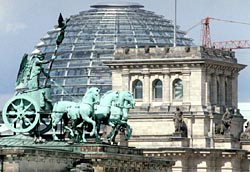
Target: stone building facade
(202,83)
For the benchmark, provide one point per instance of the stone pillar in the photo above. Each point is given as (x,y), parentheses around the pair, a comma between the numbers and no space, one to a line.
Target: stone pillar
(166,88)
(208,87)
(186,88)
(213,90)
(125,79)
(146,87)
(235,90)
(222,90)
(229,91)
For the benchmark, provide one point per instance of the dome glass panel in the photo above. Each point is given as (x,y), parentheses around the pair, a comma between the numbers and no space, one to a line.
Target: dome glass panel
(93,36)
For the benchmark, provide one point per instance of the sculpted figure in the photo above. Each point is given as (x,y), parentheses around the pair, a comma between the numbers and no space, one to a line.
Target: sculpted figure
(226,122)
(37,69)
(178,120)
(179,123)
(73,111)
(113,111)
(246,134)
(24,72)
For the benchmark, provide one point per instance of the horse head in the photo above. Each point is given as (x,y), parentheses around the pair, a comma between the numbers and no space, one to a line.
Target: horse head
(92,95)
(126,96)
(112,97)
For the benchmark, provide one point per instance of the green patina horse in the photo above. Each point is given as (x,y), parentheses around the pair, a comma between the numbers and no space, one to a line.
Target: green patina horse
(102,111)
(125,102)
(113,111)
(74,111)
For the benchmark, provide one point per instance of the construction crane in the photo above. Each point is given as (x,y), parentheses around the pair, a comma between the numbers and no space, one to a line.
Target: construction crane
(206,36)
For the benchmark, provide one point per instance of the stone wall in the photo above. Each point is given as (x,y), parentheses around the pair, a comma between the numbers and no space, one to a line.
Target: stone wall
(60,157)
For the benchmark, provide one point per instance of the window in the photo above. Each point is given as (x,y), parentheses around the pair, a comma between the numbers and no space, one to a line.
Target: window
(137,89)
(157,89)
(177,89)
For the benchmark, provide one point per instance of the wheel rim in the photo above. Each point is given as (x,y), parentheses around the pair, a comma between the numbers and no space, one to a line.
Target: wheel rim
(20,114)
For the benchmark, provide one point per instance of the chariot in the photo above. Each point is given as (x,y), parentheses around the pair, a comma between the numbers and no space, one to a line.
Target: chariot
(29,111)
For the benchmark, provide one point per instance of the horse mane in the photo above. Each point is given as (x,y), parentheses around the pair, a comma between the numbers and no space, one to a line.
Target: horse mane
(121,95)
(90,90)
(107,93)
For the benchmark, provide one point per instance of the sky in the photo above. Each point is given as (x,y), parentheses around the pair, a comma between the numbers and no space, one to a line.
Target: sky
(24,22)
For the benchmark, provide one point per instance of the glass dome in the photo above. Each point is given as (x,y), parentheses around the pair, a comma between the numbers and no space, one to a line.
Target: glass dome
(92,36)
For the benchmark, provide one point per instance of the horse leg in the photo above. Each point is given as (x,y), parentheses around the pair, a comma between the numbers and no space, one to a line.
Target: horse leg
(111,134)
(129,132)
(114,136)
(98,126)
(83,136)
(70,131)
(89,120)
(55,121)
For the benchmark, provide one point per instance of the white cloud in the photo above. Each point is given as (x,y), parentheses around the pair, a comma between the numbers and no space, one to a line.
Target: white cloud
(13,28)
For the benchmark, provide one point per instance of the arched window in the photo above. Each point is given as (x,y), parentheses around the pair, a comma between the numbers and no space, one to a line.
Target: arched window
(177,89)
(157,89)
(137,89)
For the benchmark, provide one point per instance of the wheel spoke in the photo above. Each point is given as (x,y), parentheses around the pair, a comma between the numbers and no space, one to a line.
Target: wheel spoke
(27,120)
(21,123)
(30,113)
(14,106)
(14,120)
(21,103)
(27,107)
(11,113)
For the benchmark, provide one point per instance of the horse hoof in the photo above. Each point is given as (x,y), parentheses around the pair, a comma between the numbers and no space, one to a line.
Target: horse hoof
(83,141)
(55,138)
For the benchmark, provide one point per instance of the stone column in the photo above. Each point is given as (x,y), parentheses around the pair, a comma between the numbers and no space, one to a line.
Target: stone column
(222,90)
(229,91)
(125,79)
(235,90)
(186,87)
(166,88)
(213,90)
(146,86)
(208,89)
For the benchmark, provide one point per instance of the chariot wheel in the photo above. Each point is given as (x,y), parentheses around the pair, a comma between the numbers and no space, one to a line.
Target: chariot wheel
(20,114)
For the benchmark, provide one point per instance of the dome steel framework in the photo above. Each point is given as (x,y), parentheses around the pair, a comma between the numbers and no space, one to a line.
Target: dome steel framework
(93,35)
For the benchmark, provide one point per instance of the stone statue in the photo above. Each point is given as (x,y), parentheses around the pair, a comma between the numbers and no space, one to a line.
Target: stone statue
(74,111)
(178,120)
(226,122)
(179,124)
(246,134)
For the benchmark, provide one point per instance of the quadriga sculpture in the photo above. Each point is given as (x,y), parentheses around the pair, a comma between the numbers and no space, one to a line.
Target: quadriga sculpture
(74,111)
(113,111)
